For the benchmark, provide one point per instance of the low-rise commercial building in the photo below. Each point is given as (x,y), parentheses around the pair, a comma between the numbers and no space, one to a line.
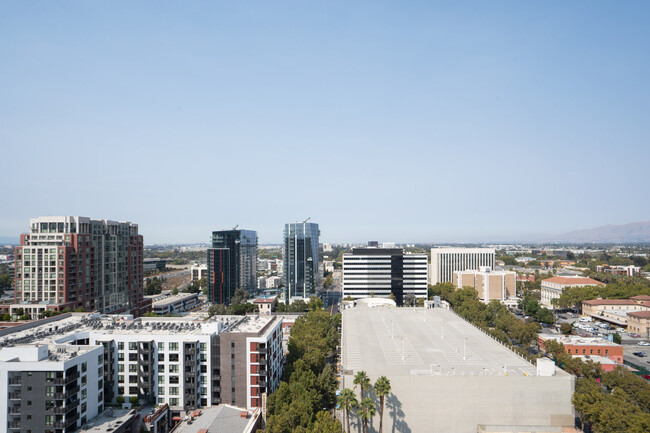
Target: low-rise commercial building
(629,271)
(553,287)
(592,346)
(154,264)
(489,284)
(173,304)
(639,323)
(615,311)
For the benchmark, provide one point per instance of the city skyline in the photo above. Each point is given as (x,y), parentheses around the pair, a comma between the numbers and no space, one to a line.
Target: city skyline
(463,122)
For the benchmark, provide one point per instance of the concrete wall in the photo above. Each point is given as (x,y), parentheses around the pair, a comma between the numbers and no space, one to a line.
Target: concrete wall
(459,403)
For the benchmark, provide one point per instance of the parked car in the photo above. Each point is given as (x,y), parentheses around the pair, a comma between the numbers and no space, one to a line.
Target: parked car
(619,330)
(643,343)
(640,354)
(646,376)
(634,335)
(574,315)
(562,316)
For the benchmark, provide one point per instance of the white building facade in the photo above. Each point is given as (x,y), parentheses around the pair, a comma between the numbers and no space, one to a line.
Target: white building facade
(446,261)
(382,272)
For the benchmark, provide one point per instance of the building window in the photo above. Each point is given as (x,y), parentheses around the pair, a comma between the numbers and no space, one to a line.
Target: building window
(120,345)
(173,390)
(133,368)
(49,391)
(173,402)
(161,347)
(120,368)
(84,367)
(161,380)
(173,368)
(203,347)
(133,345)
(161,390)
(173,379)
(173,347)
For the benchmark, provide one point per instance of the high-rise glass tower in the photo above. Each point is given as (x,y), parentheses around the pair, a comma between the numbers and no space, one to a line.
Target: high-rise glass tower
(301,258)
(232,264)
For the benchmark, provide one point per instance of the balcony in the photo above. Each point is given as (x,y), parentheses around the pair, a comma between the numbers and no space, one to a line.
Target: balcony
(14,410)
(262,383)
(16,381)
(14,425)
(262,350)
(262,361)
(14,396)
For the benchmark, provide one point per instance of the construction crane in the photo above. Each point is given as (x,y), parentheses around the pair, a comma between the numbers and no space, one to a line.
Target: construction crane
(235,228)
(305,221)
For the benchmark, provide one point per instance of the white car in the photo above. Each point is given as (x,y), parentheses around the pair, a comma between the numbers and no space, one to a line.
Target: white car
(619,330)
(643,343)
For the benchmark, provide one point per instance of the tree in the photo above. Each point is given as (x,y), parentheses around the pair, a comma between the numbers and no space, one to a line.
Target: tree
(566,328)
(365,411)
(325,424)
(329,281)
(616,338)
(119,399)
(347,401)
(175,291)
(239,296)
(363,381)
(382,389)
(133,400)
(410,300)
(216,309)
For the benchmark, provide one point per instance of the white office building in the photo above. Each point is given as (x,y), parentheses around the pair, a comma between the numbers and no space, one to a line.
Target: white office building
(380,272)
(446,261)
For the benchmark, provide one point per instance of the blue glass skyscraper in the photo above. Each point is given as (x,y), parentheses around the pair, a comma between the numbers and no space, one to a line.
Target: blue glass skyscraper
(301,257)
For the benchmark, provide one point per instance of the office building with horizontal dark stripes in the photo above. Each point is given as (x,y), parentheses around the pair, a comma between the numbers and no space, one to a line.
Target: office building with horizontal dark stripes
(232,264)
(382,272)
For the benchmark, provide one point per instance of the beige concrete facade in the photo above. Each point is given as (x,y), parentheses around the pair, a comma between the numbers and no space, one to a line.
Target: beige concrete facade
(489,285)
(639,323)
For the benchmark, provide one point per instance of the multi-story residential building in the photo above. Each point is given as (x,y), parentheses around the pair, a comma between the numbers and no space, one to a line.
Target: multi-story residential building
(50,388)
(553,287)
(198,272)
(301,258)
(489,284)
(446,261)
(629,271)
(183,362)
(232,264)
(77,262)
(382,272)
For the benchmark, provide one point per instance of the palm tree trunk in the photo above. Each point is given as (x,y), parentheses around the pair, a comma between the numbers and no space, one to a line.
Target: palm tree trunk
(365,426)
(381,414)
(347,419)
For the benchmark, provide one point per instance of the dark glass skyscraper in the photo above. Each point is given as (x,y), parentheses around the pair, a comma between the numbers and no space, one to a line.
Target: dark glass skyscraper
(301,258)
(232,264)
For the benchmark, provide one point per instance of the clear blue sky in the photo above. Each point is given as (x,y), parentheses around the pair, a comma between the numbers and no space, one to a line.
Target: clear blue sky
(405,121)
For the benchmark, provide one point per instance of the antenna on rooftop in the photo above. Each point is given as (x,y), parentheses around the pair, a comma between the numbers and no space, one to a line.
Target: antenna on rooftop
(235,228)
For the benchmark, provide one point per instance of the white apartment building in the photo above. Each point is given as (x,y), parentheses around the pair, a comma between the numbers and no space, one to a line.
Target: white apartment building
(446,261)
(50,388)
(489,284)
(184,362)
(381,272)
(199,272)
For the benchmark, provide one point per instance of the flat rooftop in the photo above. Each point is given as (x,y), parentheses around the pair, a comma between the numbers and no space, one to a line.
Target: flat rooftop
(577,340)
(407,341)
(222,418)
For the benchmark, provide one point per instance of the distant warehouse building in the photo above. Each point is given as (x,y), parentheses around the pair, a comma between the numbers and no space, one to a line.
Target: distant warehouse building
(446,261)
(172,304)
(382,272)
(489,284)
(154,264)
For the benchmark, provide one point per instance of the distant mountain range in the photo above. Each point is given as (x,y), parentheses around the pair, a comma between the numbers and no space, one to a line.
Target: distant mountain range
(638,232)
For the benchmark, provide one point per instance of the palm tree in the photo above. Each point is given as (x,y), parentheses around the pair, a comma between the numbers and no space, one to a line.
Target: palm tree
(382,389)
(362,379)
(365,411)
(348,401)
